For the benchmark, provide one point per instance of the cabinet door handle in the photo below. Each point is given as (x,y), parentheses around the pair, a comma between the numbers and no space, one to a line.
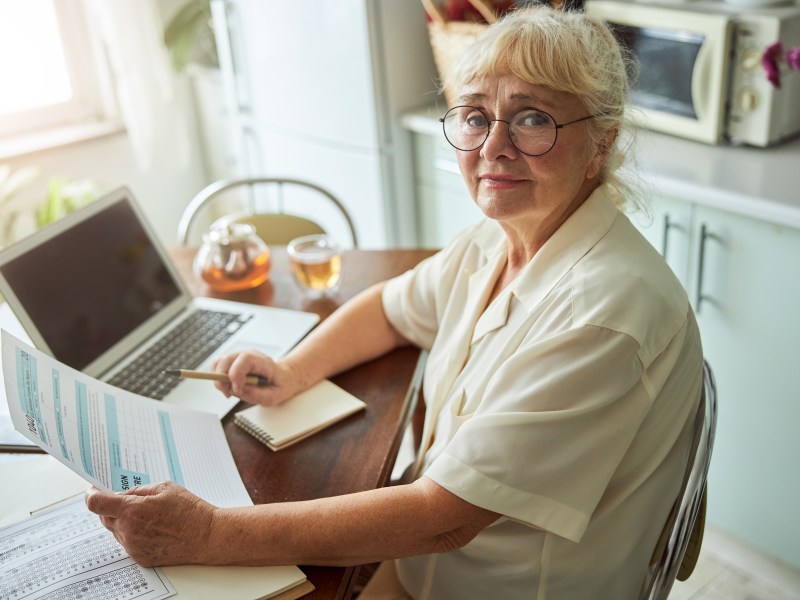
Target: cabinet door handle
(705,235)
(668,224)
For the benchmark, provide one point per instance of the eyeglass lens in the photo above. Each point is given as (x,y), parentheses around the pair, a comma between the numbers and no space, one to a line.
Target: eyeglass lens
(532,131)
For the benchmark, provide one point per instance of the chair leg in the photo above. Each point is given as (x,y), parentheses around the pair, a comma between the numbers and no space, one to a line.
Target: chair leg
(695,541)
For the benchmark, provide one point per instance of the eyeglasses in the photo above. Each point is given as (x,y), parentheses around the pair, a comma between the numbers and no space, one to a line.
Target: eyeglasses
(533,132)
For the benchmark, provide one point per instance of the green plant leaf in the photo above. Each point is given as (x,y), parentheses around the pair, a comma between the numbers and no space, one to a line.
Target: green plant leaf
(181,51)
(181,32)
(182,19)
(52,206)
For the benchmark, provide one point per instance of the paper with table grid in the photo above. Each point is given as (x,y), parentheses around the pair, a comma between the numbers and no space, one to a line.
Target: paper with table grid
(112,438)
(65,552)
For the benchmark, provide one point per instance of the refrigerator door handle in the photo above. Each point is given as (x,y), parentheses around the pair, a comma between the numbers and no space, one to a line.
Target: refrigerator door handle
(224,18)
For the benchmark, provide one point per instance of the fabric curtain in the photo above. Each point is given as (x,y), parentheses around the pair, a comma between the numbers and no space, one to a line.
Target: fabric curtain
(144,81)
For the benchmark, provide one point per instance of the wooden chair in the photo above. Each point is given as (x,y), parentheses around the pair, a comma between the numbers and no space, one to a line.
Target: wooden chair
(274,227)
(676,553)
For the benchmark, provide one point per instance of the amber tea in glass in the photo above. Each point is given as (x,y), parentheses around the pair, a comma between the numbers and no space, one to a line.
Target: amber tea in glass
(316,263)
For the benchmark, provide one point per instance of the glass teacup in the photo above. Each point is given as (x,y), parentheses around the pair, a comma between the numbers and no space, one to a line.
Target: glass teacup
(316,263)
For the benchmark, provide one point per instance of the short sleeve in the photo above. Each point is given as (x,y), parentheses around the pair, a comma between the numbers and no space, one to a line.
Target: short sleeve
(562,412)
(415,301)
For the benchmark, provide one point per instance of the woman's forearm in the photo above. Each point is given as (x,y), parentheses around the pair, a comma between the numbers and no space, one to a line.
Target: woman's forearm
(330,348)
(420,518)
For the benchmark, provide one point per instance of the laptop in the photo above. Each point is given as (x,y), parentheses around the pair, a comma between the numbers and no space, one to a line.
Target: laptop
(98,292)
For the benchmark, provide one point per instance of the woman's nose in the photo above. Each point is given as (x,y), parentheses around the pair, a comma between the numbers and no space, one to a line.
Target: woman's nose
(498,142)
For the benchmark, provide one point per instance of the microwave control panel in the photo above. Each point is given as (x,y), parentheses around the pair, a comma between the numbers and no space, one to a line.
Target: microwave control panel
(759,113)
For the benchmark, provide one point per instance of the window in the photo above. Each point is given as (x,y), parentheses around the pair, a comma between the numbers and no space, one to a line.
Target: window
(49,68)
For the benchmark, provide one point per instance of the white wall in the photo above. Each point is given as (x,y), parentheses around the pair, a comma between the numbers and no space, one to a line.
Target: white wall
(162,191)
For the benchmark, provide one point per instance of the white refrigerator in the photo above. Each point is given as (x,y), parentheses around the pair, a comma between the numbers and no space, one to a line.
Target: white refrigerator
(316,89)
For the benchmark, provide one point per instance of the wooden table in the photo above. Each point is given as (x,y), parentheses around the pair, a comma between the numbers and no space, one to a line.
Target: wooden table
(354,455)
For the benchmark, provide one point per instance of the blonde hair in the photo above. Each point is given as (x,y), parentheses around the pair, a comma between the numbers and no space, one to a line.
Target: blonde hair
(567,52)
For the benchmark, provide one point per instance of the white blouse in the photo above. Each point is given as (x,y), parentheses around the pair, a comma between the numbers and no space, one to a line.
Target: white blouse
(565,405)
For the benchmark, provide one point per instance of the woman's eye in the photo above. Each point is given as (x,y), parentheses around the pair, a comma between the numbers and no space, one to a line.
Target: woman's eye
(532,119)
(477,121)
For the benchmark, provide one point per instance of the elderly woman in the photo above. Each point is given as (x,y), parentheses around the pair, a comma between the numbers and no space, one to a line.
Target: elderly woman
(564,368)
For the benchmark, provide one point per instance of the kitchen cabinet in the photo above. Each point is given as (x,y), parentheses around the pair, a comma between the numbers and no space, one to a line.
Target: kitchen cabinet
(743,280)
(667,228)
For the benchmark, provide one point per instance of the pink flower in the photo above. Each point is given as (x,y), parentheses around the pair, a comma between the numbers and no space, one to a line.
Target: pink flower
(793,58)
(769,60)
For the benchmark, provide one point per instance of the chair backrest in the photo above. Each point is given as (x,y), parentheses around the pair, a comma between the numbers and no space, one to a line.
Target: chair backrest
(684,526)
(277,228)
(273,227)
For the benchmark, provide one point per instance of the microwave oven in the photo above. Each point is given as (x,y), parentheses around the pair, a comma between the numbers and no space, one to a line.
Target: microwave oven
(700,73)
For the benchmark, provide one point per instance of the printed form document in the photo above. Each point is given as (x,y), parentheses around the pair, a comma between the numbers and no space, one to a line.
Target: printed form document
(115,440)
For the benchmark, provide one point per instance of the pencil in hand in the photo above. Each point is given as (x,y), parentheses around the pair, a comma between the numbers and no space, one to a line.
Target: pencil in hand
(257,380)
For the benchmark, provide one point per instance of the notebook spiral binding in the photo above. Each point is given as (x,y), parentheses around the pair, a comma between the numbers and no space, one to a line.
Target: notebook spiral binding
(253,429)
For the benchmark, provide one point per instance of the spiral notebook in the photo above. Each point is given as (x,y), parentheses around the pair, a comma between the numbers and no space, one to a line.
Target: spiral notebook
(299,417)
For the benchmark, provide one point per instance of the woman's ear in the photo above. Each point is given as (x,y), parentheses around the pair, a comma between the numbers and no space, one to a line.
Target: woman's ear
(601,153)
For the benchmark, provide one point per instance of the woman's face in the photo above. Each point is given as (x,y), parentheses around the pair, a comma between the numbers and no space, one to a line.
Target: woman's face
(514,188)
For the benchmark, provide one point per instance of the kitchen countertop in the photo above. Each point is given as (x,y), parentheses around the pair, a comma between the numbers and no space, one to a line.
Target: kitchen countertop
(762,183)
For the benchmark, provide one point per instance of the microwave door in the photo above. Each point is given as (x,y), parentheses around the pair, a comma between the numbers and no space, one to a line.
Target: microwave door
(680,85)
(667,62)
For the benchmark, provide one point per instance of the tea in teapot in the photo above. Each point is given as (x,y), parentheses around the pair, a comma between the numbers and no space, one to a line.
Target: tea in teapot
(232,257)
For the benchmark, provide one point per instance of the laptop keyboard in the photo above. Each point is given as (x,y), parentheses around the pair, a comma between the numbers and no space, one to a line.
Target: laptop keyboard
(184,347)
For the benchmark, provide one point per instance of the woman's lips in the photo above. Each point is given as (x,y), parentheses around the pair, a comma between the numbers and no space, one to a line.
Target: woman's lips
(499,181)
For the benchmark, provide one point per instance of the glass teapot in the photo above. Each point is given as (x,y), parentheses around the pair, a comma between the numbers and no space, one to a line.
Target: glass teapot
(232,257)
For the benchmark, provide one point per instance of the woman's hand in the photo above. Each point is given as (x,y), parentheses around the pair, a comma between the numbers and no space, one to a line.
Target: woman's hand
(160,524)
(356,332)
(282,382)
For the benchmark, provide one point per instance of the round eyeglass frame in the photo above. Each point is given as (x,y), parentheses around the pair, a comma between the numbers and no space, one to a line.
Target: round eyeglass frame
(489,121)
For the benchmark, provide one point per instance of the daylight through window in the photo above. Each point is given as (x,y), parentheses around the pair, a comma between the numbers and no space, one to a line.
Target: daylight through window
(48,67)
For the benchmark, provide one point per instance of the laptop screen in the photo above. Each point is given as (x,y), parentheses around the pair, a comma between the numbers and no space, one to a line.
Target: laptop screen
(88,287)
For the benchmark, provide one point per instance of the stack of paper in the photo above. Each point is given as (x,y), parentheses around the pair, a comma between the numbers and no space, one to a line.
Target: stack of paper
(114,440)
(10,438)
